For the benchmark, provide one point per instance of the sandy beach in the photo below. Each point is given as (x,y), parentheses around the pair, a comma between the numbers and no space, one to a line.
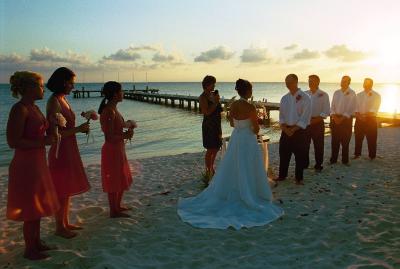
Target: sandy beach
(344,217)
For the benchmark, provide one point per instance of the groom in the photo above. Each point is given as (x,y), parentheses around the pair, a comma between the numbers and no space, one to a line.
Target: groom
(294,117)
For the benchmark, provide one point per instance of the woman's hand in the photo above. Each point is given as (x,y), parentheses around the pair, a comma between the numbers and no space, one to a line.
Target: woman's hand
(84,127)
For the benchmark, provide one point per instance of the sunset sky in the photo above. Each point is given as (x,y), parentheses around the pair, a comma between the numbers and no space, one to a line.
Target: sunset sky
(184,40)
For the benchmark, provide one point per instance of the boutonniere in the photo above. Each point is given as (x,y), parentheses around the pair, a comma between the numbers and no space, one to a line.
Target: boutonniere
(320,95)
(298,98)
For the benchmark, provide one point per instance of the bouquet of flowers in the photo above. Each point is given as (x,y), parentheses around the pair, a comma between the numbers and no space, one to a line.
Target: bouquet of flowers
(131,124)
(261,115)
(60,122)
(89,115)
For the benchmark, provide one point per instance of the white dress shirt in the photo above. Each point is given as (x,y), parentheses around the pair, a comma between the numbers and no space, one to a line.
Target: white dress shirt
(295,109)
(368,102)
(320,106)
(344,103)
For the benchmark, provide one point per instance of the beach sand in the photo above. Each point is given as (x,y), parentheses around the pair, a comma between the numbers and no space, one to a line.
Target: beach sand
(344,217)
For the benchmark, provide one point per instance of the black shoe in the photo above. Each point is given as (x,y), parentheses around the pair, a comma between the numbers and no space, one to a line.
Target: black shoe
(346,163)
(318,168)
(299,181)
(356,157)
(332,162)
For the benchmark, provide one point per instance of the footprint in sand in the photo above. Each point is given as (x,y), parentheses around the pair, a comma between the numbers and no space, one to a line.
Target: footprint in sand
(90,212)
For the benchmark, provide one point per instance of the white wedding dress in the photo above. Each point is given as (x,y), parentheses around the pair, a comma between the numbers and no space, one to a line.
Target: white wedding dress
(239,194)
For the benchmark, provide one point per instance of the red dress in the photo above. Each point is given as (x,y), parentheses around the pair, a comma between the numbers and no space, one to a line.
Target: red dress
(67,170)
(31,193)
(115,171)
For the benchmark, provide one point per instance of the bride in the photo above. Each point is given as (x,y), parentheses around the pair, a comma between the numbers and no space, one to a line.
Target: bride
(239,194)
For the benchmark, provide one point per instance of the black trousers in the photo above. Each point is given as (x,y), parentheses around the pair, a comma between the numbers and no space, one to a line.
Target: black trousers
(297,145)
(315,134)
(341,136)
(366,128)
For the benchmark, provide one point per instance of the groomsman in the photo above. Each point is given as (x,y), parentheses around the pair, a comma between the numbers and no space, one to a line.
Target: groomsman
(294,117)
(342,110)
(320,110)
(368,103)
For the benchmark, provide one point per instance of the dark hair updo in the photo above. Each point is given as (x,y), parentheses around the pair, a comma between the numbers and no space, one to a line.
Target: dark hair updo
(56,82)
(243,86)
(109,89)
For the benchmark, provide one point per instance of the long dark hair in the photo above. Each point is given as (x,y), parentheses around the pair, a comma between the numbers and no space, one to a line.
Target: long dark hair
(110,88)
(56,82)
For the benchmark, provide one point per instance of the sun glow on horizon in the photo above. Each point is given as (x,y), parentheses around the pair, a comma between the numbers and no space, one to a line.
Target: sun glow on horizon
(390,99)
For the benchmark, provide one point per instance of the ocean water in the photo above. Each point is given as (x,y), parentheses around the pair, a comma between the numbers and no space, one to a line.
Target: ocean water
(165,130)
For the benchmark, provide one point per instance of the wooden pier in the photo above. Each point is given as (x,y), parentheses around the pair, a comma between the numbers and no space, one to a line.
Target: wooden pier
(174,100)
(86,93)
(189,102)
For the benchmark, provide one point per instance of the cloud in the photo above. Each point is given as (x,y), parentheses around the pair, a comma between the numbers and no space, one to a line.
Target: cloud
(164,58)
(291,47)
(130,54)
(151,57)
(255,55)
(342,53)
(144,48)
(215,54)
(123,55)
(48,55)
(45,60)
(11,59)
(305,54)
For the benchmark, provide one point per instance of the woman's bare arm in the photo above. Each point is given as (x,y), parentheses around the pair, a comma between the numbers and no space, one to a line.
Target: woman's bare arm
(53,107)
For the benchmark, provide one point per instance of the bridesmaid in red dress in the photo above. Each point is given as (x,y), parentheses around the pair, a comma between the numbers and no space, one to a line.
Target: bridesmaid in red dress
(115,171)
(31,193)
(67,169)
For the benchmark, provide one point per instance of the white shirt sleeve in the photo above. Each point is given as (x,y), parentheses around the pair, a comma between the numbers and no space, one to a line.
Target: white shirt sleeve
(281,111)
(333,105)
(358,101)
(352,106)
(377,104)
(305,117)
(326,107)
